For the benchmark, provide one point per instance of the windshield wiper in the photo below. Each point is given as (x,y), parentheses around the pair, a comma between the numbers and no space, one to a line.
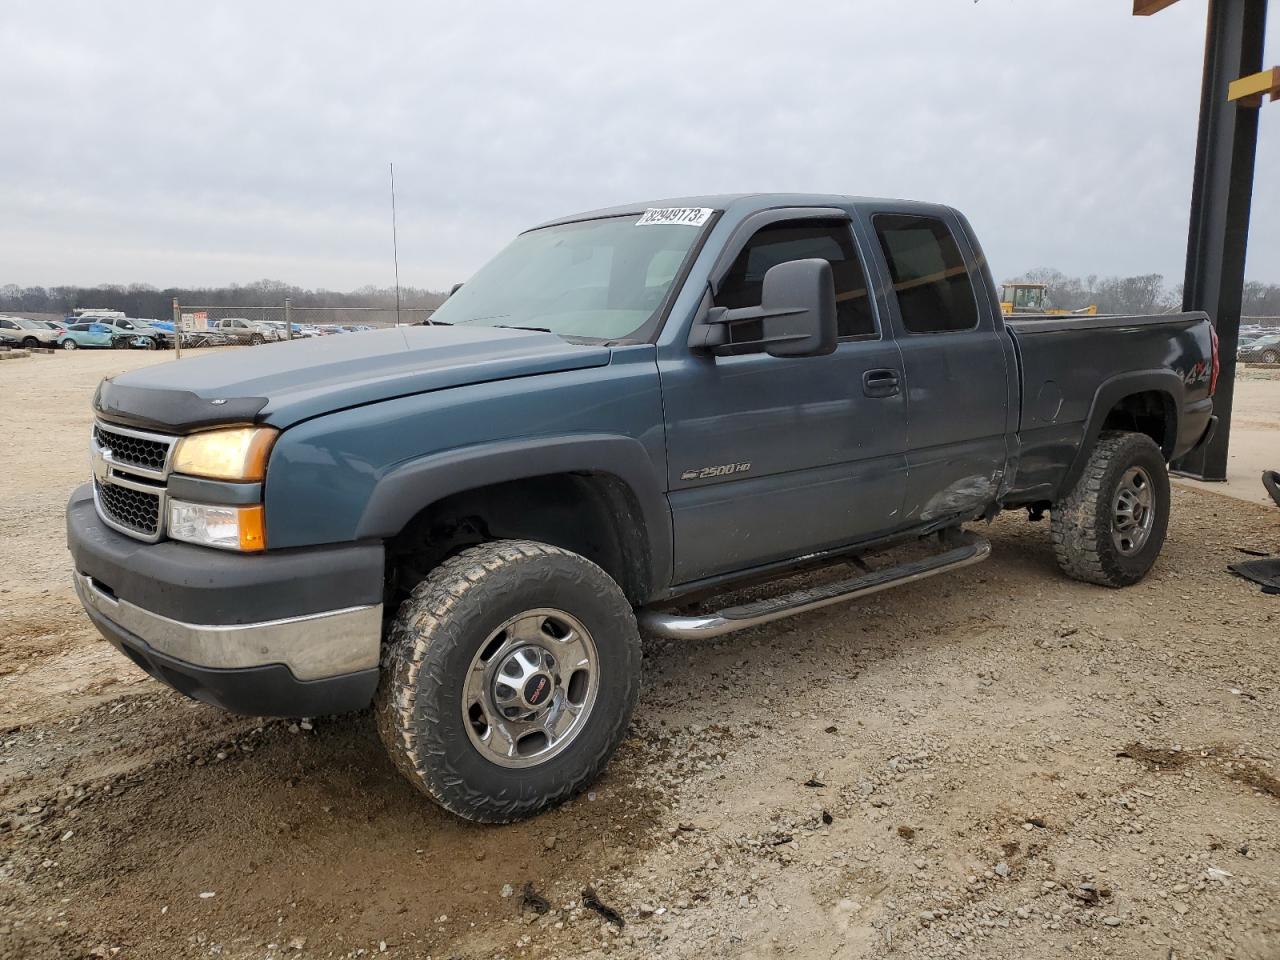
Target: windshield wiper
(515,326)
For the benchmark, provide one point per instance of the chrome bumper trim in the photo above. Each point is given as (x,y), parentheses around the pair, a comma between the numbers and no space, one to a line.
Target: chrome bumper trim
(313,647)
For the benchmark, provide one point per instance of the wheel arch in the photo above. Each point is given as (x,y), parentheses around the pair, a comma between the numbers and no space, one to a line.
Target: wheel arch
(1142,402)
(595,495)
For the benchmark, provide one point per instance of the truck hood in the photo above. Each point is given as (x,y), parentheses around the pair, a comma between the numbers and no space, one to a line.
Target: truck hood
(284,383)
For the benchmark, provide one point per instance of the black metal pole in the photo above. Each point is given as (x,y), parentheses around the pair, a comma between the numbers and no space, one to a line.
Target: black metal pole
(1221,194)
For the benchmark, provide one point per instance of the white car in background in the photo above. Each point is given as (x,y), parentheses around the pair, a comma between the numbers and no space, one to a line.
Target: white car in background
(244,330)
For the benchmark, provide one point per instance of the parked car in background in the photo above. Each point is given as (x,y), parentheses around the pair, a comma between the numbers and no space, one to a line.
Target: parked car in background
(244,330)
(132,331)
(299,330)
(19,331)
(91,334)
(1263,350)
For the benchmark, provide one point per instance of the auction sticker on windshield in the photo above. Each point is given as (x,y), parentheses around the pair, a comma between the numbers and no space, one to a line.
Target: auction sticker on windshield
(687,216)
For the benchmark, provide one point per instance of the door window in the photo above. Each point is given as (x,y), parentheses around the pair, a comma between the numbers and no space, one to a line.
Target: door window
(783,242)
(929,274)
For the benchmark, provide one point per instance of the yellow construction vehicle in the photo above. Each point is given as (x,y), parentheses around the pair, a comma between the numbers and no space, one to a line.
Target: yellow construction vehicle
(1034,298)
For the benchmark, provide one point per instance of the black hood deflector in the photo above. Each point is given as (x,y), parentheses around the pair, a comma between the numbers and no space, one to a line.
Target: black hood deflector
(171,411)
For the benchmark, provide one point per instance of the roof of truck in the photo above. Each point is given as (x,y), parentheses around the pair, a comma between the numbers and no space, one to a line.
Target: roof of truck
(743,204)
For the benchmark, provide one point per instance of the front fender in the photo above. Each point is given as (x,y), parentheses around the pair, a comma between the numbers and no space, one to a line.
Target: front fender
(415,484)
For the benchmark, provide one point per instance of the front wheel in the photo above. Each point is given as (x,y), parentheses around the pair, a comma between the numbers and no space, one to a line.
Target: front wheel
(508,679)
(1271,356)
(1111,526)
(255,340)
(30,343)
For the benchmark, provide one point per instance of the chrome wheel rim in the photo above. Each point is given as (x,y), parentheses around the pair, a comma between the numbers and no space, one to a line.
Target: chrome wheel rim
(1133,511)
(530,688)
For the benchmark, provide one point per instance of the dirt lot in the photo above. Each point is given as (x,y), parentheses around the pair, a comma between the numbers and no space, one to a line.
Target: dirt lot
(996,763)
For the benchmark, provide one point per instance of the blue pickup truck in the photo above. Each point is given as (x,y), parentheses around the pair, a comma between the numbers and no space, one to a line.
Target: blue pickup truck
(622,418)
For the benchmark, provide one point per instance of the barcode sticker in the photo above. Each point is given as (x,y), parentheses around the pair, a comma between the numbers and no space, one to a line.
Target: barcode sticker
(685,216)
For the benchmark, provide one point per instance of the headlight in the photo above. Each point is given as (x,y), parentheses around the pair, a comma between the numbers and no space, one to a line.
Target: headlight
(230,528)
(236,454)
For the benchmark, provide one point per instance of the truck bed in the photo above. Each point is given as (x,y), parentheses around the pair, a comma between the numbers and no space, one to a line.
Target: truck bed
(1065,365)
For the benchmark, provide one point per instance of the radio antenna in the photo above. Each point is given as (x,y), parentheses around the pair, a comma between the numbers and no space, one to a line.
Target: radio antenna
(395,249)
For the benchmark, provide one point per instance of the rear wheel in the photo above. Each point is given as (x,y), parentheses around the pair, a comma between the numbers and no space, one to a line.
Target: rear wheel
(1270,356)
(1111,527)
(509,679)
(70,344)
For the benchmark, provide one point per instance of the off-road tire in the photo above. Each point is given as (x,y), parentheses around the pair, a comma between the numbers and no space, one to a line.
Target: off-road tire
(1082,522)
(1270,356)
(437,632)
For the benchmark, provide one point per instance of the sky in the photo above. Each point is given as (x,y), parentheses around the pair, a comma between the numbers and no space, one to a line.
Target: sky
(182,144)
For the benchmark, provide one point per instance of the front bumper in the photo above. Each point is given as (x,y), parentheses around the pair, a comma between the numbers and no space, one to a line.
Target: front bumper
(291,633)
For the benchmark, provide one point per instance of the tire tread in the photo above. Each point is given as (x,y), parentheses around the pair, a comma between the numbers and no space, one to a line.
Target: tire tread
(1078,526)
(411,729)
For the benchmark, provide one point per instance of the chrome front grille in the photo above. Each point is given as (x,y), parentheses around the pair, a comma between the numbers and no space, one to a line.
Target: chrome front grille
(133,449)
(135,511)
(130,473)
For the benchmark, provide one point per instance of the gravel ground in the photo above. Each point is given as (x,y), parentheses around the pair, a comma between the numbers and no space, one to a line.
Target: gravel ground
(994,763)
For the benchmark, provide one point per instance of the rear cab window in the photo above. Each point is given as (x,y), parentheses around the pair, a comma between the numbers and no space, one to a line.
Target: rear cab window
(930,278)
(788,240)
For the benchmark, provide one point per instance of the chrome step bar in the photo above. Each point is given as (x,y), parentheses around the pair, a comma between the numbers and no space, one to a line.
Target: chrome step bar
(962,549)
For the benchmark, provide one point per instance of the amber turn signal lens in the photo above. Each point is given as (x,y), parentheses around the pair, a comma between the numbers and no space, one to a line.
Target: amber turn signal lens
(253,529)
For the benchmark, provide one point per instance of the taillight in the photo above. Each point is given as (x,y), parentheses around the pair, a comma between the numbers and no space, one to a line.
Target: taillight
(1213,373)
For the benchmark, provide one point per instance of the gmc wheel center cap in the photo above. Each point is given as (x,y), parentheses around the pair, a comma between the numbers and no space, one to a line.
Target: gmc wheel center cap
(537,689)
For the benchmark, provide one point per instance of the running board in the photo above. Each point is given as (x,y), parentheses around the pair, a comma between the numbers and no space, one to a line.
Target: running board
(963,548)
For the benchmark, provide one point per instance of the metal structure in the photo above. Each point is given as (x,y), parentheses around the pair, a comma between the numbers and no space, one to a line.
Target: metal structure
(1222,192)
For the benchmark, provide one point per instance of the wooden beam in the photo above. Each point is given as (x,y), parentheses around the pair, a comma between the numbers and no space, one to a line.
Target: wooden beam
(1250,90)
(1145,8)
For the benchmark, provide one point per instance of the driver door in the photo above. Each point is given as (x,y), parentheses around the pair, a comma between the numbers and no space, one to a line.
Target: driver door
(770,458)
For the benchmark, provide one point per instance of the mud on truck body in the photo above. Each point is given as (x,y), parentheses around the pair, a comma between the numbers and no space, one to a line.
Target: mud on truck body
(469,524)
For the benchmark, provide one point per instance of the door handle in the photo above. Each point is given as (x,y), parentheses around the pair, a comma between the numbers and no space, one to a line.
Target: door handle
(880,383)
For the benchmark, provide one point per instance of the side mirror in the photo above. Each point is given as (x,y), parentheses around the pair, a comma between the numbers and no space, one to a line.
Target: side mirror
(796,316)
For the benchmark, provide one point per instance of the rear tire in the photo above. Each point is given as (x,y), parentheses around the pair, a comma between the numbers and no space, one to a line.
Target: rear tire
(508,609)
(1270,356)
(70,345)
(1110,528)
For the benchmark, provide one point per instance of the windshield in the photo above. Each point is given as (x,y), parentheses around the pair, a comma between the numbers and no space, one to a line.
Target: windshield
(599,279)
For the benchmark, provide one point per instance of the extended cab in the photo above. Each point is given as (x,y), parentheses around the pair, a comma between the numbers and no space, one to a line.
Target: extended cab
(468,524)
